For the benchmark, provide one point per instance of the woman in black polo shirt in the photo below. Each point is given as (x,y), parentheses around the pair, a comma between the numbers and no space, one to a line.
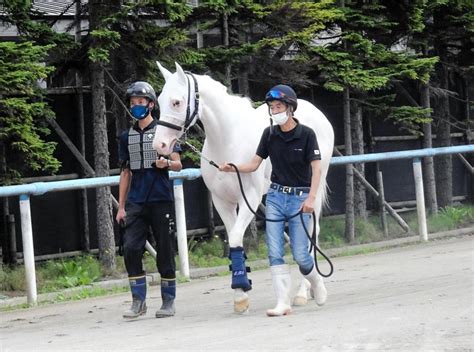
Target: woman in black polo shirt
(295,157)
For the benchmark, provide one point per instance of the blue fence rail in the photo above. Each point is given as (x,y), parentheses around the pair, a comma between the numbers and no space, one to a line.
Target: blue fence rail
(38,188)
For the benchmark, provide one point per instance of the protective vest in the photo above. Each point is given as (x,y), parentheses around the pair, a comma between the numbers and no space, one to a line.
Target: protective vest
(140,148)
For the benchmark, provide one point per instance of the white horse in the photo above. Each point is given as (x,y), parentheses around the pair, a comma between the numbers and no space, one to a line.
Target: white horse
(233,129)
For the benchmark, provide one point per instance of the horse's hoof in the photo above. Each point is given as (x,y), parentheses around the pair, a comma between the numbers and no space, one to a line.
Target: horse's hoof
(241,306)
(300,301)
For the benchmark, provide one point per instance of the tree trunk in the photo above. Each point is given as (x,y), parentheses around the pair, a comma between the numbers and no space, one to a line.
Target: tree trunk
(444,167)
(244,78)
(83,202)
(360,198)
(226,42)
(428,164)
(349,223)
(101,154)
(469,132)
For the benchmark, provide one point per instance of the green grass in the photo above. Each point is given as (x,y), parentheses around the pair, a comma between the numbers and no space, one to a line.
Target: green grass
(57,275)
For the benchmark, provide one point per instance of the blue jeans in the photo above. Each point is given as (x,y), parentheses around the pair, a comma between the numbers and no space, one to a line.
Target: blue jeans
(281,206)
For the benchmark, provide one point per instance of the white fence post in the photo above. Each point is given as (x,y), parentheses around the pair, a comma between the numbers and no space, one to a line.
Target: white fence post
(181,227)
(420,200)
(28,250)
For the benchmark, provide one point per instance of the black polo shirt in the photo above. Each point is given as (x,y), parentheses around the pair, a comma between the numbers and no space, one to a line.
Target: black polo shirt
(291,154)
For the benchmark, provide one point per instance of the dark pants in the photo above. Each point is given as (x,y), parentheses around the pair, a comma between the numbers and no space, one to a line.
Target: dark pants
(140,218)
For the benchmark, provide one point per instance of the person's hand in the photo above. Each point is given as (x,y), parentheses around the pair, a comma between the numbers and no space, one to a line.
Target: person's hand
(226,167)
(162,163)
(308,205)
(121,215)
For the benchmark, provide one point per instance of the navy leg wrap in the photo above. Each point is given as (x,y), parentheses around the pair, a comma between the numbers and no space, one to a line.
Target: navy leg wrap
(239,270)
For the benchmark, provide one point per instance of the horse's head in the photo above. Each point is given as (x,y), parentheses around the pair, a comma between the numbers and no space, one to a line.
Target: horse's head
(179,108)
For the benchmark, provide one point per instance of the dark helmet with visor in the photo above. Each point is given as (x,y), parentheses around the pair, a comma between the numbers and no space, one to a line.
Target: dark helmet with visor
(140,89)
(283,93)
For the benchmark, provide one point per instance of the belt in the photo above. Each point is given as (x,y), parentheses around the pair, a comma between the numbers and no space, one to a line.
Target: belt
(290,190)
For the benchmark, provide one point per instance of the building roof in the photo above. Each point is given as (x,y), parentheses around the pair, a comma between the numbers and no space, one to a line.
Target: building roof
(56,7)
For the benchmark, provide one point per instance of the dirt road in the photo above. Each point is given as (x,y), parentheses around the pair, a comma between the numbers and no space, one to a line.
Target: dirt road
(415,298)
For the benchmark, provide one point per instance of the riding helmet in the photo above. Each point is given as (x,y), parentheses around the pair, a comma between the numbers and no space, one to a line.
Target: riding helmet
(140,89)
(283,93)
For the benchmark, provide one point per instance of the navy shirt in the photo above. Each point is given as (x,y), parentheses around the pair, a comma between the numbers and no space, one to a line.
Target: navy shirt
(154,181)
(291,154)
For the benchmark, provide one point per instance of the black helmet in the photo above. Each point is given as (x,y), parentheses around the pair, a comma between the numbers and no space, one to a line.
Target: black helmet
(140,89)
(284,93)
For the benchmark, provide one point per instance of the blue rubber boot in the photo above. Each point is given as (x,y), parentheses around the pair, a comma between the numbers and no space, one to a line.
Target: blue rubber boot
(239,270)
(168,294)
(138,288)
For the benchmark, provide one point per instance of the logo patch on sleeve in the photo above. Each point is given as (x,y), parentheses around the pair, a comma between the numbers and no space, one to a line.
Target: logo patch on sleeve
(316,152)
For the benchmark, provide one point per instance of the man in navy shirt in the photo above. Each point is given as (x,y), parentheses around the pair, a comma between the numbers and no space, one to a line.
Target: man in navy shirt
(296,171)
(146,201)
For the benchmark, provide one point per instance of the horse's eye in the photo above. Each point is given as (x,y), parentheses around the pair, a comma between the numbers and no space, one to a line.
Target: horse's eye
(177,104)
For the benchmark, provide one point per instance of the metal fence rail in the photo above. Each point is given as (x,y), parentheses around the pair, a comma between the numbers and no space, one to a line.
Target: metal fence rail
(25,191)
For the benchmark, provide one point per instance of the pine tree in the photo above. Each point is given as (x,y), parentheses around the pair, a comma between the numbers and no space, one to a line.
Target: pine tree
(448,33)
(360,62)
(23,111)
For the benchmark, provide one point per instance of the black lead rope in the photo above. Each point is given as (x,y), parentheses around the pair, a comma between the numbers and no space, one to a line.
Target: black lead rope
(312,238)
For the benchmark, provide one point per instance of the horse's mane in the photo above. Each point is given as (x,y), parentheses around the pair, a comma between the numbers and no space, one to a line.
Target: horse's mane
(217,87)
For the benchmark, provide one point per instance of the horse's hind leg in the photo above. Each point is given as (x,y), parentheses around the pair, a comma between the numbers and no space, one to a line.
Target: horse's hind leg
(313,282)
(301,297)
(316,281)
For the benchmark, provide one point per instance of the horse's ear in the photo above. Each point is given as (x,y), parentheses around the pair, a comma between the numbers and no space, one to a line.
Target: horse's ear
(166,74)
(181,75)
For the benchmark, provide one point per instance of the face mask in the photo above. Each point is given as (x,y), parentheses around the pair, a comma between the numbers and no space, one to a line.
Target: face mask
(139,112)
(280,118)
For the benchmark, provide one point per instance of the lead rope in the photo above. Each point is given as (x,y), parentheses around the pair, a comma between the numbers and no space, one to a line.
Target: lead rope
(312,238)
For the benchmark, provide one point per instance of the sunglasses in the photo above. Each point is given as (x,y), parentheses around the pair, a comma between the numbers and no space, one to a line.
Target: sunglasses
(275,94)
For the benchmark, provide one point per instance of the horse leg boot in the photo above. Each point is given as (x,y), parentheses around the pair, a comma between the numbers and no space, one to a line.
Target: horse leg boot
(317,286)
(281,280)
(240,282)
(138,289)
(301,297)
(168,294)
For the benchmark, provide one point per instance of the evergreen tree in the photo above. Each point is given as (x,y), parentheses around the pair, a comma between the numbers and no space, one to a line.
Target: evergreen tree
(360,62)
(23,111)
(449,34)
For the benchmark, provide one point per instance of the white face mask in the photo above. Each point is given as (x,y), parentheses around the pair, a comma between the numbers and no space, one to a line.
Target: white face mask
(280,118)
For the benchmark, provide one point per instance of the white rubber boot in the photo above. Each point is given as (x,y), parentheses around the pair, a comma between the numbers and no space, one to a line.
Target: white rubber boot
(281,284)
(317,287)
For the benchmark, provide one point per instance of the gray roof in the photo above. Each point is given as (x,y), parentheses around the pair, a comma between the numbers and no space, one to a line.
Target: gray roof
(56,7)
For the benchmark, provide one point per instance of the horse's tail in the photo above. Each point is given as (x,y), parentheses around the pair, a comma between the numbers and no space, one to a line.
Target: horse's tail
(324,191)
(326,146)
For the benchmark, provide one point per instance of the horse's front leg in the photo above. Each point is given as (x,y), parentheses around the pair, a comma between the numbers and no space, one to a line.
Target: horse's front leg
(240,282)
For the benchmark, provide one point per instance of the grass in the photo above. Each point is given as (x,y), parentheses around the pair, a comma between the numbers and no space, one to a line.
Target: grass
(59,275)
